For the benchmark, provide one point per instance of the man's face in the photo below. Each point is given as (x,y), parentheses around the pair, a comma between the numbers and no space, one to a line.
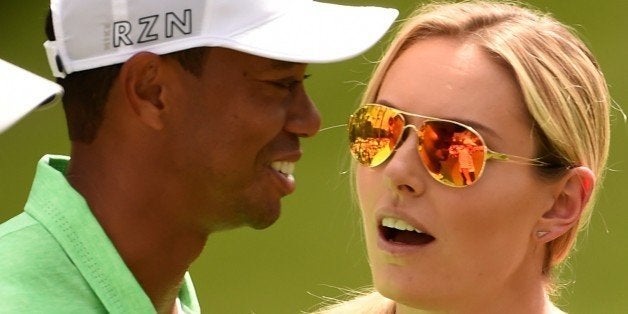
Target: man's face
(232,137)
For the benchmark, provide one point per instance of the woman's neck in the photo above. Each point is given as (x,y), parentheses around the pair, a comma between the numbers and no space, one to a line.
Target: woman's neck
(543,307)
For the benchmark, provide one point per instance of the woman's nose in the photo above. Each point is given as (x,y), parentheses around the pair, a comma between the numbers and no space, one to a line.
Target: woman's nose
(403,171)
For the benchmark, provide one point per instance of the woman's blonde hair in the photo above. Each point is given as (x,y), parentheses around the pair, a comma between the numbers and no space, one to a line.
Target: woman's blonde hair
(562,84)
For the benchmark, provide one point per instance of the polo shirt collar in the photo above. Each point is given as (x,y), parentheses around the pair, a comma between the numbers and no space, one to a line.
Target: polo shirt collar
(66,215)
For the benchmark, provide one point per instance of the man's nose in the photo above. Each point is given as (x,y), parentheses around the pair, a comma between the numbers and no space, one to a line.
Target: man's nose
(303,119)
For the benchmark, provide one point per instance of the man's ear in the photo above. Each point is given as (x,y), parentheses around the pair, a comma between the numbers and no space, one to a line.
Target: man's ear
(141,79)
(573,194)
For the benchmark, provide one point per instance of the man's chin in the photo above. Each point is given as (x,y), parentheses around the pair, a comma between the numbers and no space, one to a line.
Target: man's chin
(265,220)
(263,224)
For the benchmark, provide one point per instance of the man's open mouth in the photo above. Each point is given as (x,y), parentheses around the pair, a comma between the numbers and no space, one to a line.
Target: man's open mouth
(401,232)
(284,167)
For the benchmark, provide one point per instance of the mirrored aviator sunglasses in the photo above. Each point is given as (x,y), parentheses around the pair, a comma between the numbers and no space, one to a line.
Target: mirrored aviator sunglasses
(453,153)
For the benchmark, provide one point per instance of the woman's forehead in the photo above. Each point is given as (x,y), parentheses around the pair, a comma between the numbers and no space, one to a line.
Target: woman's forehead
(454,79)
(450,76)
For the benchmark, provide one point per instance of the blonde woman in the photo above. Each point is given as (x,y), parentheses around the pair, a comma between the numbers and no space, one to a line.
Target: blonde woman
(531,97)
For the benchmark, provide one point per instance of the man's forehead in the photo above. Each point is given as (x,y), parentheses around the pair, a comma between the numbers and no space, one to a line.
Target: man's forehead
(281,65)
(251,62)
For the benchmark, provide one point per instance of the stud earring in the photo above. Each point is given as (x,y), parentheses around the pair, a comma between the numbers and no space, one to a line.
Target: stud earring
(540,234)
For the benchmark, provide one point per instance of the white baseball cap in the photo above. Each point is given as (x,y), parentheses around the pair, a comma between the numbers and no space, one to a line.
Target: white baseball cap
(95,33)
(22,91)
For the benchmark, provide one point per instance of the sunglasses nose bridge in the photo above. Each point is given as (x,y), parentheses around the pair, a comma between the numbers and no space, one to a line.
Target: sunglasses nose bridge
(410,126)
(416,129)
(404,137)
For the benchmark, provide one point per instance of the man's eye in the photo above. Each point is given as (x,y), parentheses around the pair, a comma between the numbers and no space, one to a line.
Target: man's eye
(288,83)
(291,84)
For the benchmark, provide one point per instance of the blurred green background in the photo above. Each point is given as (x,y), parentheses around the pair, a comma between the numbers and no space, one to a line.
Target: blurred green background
(316,249)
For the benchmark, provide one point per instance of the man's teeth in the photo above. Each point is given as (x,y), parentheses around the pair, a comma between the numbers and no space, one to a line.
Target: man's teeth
(398,224)
(285,167)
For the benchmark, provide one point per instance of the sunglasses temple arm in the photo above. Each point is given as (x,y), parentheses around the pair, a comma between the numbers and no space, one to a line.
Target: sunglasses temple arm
(333,127)
(515,159)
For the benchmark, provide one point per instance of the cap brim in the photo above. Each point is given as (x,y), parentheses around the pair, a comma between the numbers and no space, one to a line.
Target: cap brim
(22,91)
(316,33)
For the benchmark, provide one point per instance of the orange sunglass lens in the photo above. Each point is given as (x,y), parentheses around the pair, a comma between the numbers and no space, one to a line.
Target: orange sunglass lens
(452,153)
(374,131)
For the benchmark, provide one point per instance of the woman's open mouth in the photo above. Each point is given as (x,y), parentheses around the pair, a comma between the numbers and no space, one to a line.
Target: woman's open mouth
(400,232)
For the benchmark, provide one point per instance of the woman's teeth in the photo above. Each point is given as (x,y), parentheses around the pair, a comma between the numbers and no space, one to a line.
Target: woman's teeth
(399,225)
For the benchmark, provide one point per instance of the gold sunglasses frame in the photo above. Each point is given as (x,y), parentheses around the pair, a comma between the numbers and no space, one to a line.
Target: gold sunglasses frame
(488,153)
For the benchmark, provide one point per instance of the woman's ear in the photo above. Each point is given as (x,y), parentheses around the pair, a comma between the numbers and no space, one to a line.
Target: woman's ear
(572,197)
(141,79)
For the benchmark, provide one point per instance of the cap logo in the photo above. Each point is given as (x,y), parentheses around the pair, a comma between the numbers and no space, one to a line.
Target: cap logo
(148,28)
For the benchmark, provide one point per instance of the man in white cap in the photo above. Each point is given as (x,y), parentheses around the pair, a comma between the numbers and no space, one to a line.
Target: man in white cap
(185,118)
(21,92)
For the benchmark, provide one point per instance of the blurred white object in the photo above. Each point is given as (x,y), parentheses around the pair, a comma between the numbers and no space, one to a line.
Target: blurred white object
(21,92)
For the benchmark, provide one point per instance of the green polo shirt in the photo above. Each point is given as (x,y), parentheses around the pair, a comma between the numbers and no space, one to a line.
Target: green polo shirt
(55,257)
